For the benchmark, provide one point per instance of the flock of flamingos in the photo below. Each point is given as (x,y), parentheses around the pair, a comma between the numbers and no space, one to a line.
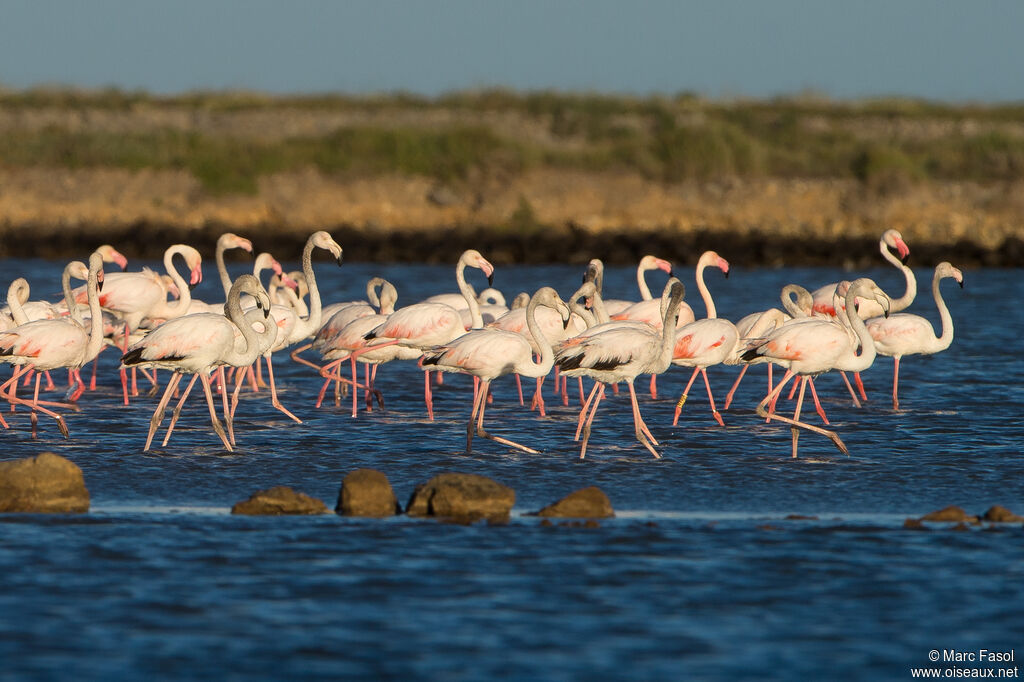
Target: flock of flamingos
(156,324)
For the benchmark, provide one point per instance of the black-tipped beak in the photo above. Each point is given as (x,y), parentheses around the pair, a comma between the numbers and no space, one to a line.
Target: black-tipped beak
(727,274)
(905,259)
(565,323)
(490,280)
(961,284)
(266,313)
(339,261)
(99,285)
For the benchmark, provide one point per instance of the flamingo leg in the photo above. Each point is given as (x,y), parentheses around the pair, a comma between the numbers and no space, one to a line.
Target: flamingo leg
(654,387)
(366,391)
(484,390)
(796,413)
(565,390)
(711,398)
(470,427)
(273,390)
(49,381)
(519,390)
(579,382)
(234,395)
(792,390)
(684,396)
(428,397)
(177,409)
(34,405)
(538,397)
(846,380)
(896,383)
(735,385)
(590,420)
(817,405)
(373,388)
(583,410)
(161,407)
(303,361)
(95,365)
(832,435)
(355,391)
(229,420)
(213,412)
(860,386)
(638,422)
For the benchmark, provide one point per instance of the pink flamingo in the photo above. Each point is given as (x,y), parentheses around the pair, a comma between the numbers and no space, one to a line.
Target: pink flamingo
(703,343)
(423,325)
(492,352)
(620,353)
(291,327)
(650,310)
(195,344)
(823,296)
(906,334)
(811,347)
(48,344)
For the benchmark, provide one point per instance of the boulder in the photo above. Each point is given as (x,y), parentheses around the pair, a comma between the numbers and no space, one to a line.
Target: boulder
(44,483)
(277,501)
(951,513)
(998,514)
(587,503)
(367,492)
(461,496)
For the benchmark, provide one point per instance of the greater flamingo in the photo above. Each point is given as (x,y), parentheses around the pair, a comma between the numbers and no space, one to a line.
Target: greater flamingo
(811,347)
(423,325)
(906,334)
(195,344)
(620,353)
(48,344)
(492,352)
(647,263)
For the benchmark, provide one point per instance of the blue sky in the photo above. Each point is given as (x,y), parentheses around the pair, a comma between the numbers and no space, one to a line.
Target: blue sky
(720,48)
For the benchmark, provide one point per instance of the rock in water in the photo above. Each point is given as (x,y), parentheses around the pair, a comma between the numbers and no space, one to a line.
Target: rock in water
(367,492)
(44,483)
(277,501)
(587,503)
(999,514)
(461,496)
(950,513)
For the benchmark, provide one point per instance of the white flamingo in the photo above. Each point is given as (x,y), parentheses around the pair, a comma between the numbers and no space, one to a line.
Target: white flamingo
(905,334)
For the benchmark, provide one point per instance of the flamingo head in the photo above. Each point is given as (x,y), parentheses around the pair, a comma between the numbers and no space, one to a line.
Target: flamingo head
(894,240)
(287,281)
(323,240)
(867,289)
(596,266)
(650,262)
(194,261)
(112,255)
(96,266)
(230,240)
(473,258)
(712,259)
(946,269)
(547,296)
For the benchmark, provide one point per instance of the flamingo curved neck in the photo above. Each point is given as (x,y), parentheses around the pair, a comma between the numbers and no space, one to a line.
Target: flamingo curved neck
(308,325)
(92,349)
(910,293)
(179,307)
(668,332)
(547,355)
(852,362)
(467,291)
(641,281)
(704,292)
(942,342)
(222,268)
(792,306)
(69,297)
(16,296)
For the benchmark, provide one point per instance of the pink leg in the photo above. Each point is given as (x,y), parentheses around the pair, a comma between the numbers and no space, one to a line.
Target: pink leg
(519,390)
(736,384)
(638,423)
(832,435)
(213,412)
(565,390)
(796,413)
(427,396)
(590,420)
(273,389)
(860,386)
(177,409)
(683,397)
(711,398)
(896,382)
(817,405)
(654,387)
(583,410)
(792,390)
(355,391)
(161,407)
(846,380)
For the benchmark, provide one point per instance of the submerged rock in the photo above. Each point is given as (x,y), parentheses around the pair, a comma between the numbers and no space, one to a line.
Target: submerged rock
(44,483)
(999,514)
(951,513)
(586,503)
(461,496)
(367,492)
(914,524)
(278,501)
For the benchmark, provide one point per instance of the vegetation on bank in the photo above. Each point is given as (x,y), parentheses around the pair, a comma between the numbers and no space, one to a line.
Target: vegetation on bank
(885,144)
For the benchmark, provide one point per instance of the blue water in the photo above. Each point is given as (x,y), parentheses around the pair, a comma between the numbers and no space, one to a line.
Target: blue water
(700,575)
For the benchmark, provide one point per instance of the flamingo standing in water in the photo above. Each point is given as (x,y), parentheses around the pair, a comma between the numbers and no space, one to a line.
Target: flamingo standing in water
(490,353)
(423,325)
(906,334)
(824,301)
(703,343)
(811,347)
(195,344)
(620,353)
(48,344)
